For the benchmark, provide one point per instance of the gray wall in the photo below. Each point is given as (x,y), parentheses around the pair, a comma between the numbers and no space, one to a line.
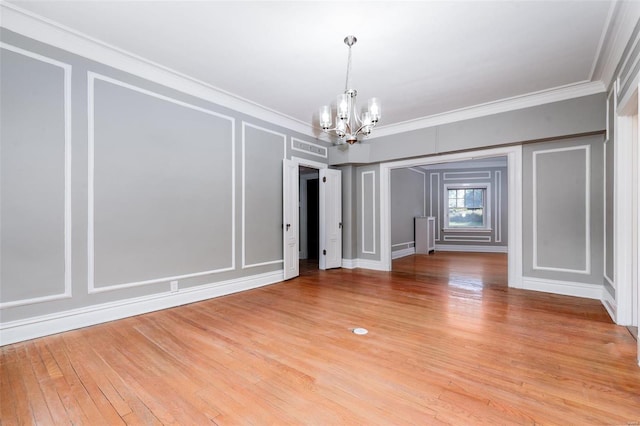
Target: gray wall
(563,210)
(496,178)
(544,122)
(407,201)
(112,186)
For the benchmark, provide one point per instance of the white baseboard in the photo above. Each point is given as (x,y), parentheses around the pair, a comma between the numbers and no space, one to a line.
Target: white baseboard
(609,304)
(471,248)
(567,288)
(403,253)
(31,328)
(375,265)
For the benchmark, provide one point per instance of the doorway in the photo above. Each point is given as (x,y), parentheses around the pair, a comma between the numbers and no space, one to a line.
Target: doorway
(514,209)
(309,217)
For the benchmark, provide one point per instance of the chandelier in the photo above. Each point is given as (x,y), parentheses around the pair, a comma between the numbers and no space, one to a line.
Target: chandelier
(349,124)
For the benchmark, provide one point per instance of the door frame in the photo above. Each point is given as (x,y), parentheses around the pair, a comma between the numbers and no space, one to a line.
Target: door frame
(514,209)
(313,165)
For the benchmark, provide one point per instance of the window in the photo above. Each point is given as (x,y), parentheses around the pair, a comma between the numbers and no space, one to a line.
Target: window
(467,207)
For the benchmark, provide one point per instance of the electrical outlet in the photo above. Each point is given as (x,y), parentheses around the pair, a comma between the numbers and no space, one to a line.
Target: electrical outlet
(174,286)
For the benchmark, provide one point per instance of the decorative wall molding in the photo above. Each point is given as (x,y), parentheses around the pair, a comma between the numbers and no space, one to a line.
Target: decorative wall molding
(480,175)
(471,248)
(31,328)
(309,148)
(437,202)
(404,245)
(373,212)
(244,168)
(397,254)
(567,288)
(91,78)
(468,238)
(32,25)
(587,208)
(66,68)
(498,209)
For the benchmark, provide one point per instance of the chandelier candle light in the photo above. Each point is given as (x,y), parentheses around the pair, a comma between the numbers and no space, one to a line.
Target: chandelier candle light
(348,123)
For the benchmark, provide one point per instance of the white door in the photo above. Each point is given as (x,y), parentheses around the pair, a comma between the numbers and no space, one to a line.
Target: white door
(290,218)
(330,219)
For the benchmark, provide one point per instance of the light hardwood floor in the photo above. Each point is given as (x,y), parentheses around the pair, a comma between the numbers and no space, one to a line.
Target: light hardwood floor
(448,343)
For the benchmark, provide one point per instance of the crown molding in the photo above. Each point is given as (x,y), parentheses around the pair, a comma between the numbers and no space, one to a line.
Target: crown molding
(562,93)
(50,32)
(53,33)
(621,24)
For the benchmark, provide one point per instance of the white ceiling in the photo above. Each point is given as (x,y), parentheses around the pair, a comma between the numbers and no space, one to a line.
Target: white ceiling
(419,58)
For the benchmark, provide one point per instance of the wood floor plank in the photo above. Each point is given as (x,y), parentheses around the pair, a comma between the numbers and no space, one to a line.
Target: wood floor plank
(449,343)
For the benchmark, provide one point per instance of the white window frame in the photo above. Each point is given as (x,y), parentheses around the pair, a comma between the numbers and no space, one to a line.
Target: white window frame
(486,210)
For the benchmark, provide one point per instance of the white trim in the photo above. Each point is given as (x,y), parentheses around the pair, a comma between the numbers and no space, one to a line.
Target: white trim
(514,169)
(67,69)
(20,330)
(244,168)
(374,265)
(471,248)
(623,79)
(587,209)
(498,210)
(567,288)
(466,230)
(468,238)
(486,175)
(373,211)
(609,304)
(468,165)
(437,215)
(39,28)
(309,163)
(562,93)
(487,214)
(403,253)
(604,216)
(623,218)
(293,148)
(407,244)
(91,77)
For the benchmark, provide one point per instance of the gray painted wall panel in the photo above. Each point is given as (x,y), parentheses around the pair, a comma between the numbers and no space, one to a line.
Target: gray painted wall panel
(561,218)
(409,144)
(263,154)
(568,117)
(32,178)
(161,207)
(560,208)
